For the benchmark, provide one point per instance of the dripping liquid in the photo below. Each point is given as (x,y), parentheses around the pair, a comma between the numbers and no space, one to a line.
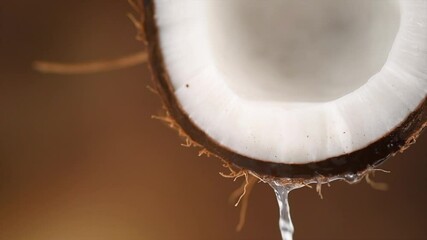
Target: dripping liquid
(282,188)
(285,222)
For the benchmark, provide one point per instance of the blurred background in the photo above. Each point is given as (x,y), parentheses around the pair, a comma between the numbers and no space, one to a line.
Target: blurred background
(82,159)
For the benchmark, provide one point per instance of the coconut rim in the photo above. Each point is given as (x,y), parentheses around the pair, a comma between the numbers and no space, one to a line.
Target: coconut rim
(398,139)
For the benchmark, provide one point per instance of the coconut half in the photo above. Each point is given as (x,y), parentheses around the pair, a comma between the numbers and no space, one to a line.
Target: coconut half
(292,88)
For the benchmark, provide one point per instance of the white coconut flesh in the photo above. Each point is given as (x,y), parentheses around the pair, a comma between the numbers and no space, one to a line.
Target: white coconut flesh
(295,81)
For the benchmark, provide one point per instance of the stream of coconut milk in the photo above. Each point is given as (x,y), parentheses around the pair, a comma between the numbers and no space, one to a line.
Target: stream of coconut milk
(282,191)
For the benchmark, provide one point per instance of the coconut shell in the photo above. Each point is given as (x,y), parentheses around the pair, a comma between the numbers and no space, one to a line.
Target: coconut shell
(397,140)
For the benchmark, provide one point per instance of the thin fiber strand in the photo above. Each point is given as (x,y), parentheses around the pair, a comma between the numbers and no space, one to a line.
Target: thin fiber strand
(91,67)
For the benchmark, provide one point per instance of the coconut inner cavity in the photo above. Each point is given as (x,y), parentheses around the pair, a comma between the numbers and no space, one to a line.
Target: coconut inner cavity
(300,51)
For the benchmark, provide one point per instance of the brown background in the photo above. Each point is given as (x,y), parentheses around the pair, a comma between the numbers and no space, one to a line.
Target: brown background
(81,158)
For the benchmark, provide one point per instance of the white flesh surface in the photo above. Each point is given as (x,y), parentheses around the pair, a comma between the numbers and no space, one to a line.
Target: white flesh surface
(295,81)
